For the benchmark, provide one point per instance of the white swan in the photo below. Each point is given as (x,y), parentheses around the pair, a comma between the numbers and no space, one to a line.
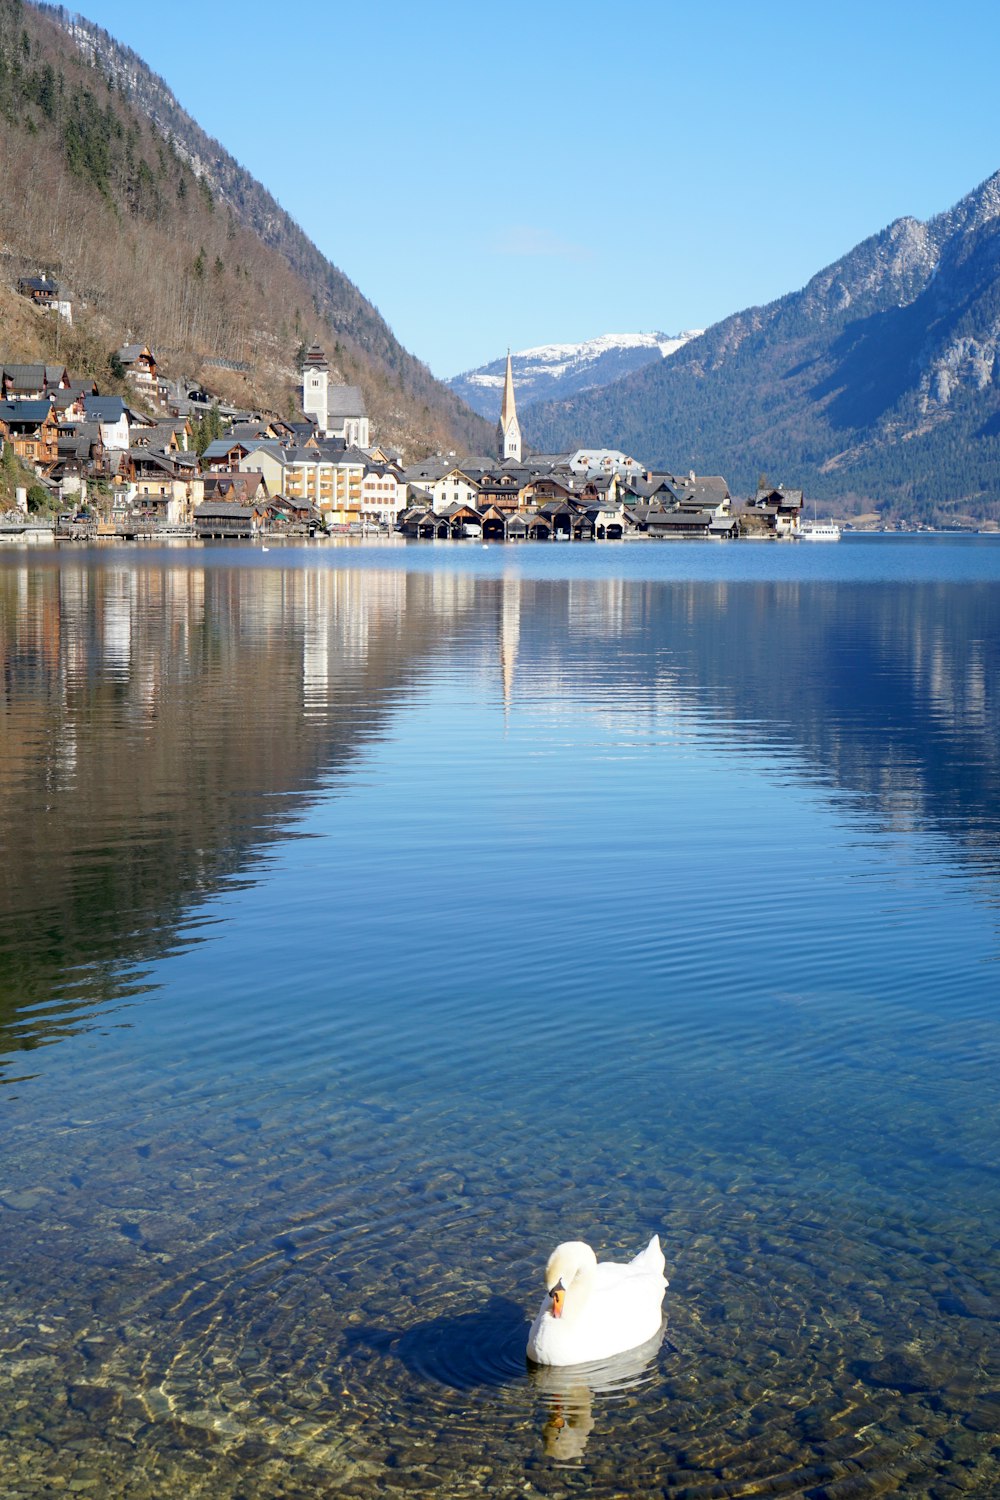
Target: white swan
(593,1311)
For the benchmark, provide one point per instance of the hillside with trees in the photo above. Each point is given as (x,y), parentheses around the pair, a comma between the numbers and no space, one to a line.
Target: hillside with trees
(156,233)
(876,387)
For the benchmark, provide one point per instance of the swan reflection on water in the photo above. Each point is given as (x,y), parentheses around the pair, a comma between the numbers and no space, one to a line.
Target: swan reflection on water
(483,1351)
(568,1393)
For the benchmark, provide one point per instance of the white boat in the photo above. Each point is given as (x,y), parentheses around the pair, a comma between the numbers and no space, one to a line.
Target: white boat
(819,531)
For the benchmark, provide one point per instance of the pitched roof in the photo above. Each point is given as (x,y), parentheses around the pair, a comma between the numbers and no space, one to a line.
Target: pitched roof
(104,408)
(75,445)
(677,520)
(88,432)
(222,447)
(224,510)
(25,377)
(31,413)
(159,436)
(270,446)
(237,487)
(428,471)
(149,458)
(344,401)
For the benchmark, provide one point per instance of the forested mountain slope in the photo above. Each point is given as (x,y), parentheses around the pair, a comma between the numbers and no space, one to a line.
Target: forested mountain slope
(158,234)
(876,386)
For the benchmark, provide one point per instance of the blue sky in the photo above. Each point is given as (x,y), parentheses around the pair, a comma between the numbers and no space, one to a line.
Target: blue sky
(518,174)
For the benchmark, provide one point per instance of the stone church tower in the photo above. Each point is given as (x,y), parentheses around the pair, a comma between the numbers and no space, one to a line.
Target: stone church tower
(315,385)
(508,432)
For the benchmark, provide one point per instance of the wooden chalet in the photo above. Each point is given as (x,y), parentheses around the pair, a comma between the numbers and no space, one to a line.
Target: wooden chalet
(139,365)
(41,290)
(775,510)
(224,455)
(293,517)
(248,487)
(500,490)
(32,430)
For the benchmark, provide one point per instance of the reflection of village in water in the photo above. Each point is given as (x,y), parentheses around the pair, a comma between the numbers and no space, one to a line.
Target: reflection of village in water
(193,708)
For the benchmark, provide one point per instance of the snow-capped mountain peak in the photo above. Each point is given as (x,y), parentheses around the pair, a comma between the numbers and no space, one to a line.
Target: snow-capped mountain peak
(553,371)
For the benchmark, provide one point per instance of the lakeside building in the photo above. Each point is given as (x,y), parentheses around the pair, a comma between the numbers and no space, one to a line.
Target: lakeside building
(322,473)
(777,510)
(338,410)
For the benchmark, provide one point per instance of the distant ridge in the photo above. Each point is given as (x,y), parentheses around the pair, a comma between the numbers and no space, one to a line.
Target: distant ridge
(877,386)
(557,371)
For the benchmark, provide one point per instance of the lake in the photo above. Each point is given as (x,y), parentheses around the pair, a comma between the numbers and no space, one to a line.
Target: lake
(372,918)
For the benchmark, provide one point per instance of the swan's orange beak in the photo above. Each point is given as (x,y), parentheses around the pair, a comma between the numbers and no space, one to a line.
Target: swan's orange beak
(558,1295)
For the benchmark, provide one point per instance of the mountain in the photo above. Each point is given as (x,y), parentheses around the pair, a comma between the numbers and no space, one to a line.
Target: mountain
(876,387)
(554,372)
(158,234)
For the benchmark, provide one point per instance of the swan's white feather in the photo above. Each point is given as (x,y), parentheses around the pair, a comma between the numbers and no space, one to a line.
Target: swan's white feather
(608,1307)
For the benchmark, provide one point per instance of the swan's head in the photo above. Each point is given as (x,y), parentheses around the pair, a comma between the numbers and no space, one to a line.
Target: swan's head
(566,1263)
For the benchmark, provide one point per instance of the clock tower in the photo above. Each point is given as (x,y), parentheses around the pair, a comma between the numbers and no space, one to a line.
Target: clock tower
(508,431)
(315,386)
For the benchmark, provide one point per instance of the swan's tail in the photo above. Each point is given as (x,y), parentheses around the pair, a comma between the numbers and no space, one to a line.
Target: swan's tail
(652,1258)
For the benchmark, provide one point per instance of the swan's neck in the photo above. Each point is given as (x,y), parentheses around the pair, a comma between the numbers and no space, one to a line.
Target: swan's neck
(578,1291)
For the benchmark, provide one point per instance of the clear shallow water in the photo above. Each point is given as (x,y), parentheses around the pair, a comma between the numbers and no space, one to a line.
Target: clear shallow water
(374,918)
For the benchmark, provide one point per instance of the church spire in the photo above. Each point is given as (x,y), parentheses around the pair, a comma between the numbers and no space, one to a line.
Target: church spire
(508,431)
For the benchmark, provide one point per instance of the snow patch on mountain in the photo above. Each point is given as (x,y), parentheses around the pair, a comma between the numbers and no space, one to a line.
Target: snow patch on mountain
(555,371)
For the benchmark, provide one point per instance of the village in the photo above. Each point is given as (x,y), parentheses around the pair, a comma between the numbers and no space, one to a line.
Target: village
(110,466)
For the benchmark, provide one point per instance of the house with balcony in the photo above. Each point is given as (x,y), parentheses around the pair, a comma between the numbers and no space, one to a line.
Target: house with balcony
(241,489)
(32,431)
(139,365)
(774,510)
(164,486)
(225,455)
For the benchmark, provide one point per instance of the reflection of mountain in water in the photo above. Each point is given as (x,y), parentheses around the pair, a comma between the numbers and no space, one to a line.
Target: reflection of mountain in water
(160,725)
(888,692)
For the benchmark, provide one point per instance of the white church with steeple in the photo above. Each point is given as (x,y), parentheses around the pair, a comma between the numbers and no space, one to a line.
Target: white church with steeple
(508,432)
(338,410)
